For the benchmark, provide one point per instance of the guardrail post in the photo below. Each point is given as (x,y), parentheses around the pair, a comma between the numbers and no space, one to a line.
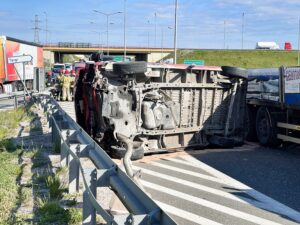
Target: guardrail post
(56,140)
(64,155)
(89,212)
(74,172)
(15,102)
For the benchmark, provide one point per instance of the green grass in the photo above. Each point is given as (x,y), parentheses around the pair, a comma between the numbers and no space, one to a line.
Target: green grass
(10,170)
(50,212)
(56,188)
(246,59)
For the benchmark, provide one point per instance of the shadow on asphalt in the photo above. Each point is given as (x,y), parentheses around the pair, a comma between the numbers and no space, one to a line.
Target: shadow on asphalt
(271,171)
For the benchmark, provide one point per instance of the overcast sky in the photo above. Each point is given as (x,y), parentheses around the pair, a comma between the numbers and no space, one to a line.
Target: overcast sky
(200,22)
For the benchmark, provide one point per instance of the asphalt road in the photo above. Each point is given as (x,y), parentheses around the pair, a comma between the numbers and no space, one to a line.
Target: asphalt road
(272,171)
(9,103)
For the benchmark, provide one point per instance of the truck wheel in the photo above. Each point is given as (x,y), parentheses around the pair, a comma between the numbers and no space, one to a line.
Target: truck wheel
(266,130)
(129,67)
(231,71)
(119,152)
(250,130)
(1,89)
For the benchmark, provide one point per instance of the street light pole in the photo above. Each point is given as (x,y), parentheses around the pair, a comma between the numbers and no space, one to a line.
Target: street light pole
(125,12)
(155,15)
(175,33)
(107,15)
(46,30)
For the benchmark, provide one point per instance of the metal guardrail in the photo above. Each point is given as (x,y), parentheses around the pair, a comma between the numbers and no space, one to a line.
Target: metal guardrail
(75,144)
(13,95)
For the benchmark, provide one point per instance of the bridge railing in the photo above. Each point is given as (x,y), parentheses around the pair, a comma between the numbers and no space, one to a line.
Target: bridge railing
(74,144)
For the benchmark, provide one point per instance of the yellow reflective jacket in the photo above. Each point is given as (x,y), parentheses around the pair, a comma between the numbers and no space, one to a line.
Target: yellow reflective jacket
(66,81)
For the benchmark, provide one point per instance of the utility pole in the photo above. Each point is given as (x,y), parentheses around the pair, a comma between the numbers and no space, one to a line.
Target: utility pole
(36,29)
(175,33)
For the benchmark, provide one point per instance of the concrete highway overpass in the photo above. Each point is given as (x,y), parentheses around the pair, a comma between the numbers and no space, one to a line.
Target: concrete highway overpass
(55,53)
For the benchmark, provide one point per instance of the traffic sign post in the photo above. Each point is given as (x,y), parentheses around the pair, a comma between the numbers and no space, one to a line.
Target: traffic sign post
(21,59)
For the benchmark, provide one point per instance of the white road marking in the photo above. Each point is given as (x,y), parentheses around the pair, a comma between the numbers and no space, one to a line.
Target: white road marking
(195,186)
(212,205)
(186,215)
(191,173)
(269,203)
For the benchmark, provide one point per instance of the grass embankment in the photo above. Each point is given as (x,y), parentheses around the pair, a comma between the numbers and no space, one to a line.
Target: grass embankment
(246,59)
(47,208)
(10,170)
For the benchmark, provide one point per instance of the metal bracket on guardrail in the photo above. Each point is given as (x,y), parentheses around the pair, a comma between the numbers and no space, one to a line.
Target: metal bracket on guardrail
(74,143)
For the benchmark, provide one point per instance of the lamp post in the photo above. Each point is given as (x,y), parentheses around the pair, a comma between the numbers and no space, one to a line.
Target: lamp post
(125,47)
(175,32)
(107,23)
(155,17)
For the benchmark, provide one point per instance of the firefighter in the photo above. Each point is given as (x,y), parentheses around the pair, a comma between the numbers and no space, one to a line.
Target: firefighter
(66,83)
(59,81)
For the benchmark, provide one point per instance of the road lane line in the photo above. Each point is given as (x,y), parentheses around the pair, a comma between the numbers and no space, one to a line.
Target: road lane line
(212,205)
(191,173)
(270,204)
(186,215)
(195,186)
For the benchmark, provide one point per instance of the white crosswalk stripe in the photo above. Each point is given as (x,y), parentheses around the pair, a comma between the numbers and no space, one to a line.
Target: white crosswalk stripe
(191,184)
(186,215)
(214,206)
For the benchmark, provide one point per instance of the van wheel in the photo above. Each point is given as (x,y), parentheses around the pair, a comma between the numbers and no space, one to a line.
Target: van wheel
(231,71)
(266,130)
(119,152)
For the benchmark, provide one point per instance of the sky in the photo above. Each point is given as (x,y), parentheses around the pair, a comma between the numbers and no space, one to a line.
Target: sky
(202,24)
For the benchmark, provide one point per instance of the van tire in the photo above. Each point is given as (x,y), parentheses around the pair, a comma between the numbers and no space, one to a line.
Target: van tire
(231,71)
(125,68)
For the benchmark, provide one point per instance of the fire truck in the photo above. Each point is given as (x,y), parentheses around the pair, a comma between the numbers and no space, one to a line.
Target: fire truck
(12,76)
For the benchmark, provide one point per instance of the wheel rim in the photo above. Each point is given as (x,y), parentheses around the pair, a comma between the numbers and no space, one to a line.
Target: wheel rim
(263,128)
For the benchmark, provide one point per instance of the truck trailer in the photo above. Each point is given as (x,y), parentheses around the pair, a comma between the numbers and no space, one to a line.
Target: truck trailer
(12,75)
(273,105)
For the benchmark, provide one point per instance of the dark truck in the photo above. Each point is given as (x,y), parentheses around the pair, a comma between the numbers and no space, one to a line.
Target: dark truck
(273,105)
(160,107)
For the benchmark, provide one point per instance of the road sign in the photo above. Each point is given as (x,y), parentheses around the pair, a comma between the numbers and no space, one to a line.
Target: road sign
(193,62)
(118,58)
(19,59)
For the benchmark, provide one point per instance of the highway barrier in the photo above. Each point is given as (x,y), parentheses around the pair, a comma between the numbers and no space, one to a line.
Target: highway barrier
(74,145)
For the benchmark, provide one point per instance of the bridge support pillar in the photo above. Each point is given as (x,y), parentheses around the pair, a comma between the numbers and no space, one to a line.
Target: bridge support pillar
(58,57)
